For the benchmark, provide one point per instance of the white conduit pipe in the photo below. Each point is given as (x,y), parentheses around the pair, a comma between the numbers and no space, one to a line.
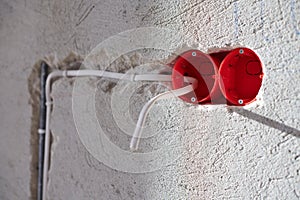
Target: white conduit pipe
(100,73)
(134,143)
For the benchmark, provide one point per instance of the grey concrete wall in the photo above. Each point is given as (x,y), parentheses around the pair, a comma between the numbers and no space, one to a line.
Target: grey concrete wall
(225,153)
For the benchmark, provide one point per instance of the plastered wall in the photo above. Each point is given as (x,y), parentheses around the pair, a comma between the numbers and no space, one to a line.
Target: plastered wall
(225,153)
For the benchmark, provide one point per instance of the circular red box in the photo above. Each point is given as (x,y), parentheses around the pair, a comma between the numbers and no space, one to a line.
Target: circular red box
(240,76)
(204,68)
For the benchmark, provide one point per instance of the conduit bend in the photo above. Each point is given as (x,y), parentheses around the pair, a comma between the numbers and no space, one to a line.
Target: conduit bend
(134,143)
(113,75)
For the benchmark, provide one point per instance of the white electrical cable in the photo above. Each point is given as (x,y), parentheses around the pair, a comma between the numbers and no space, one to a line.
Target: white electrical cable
(47,129)
(115,75)
(134,143)
(100,73)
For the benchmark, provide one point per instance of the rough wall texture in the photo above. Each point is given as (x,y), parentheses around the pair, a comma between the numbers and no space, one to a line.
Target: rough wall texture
(227,153)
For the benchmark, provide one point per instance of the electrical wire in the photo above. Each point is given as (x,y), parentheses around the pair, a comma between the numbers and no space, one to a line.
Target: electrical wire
(113,75)
(134,143)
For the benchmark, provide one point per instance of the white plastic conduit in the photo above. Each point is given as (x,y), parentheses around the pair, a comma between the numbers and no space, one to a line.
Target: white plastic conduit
(100,73)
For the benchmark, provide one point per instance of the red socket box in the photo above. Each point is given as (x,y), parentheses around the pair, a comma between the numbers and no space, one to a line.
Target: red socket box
(232,76)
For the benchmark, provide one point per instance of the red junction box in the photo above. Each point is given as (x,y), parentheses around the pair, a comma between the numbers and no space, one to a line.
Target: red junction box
(201,66)
(231,76)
